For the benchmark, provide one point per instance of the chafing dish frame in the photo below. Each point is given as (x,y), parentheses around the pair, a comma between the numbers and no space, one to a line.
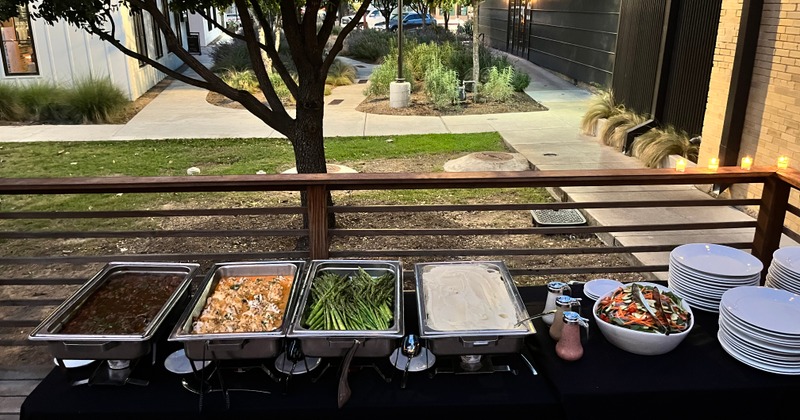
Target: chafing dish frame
(110,346)
(237,345)
(331,343)
(473,342)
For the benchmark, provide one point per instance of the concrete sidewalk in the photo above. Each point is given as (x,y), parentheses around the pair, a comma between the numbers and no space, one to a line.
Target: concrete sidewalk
(550,140)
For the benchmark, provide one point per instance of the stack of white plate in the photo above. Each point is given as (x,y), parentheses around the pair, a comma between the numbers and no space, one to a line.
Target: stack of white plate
(701,273)
(593,289)
(784,271)
(758,327)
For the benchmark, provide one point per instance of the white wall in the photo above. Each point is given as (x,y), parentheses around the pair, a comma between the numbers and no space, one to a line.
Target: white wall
(66,54)
(200,25)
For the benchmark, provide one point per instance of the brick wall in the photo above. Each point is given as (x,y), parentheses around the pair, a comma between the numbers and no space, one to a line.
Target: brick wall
(772,122)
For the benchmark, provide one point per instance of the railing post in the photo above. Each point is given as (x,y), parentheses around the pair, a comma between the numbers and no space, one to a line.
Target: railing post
(317,202)
(769,225)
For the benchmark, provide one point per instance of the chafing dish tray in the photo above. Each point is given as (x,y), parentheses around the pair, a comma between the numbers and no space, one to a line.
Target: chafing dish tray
(470,307)
(116,313)
(336,343)
(241,311)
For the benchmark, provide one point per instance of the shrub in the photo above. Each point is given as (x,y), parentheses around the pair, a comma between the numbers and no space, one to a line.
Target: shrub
(385,74)
(431,35)
(10,108)
(498,86)
(231,55)
(341,74)
(44,101)
(240,79)
(465,29)
(441,85)
(280,89)
(614,132)
(657,144)
(369,44)
(602,106)
(96,101)
(520,81)
(421,56)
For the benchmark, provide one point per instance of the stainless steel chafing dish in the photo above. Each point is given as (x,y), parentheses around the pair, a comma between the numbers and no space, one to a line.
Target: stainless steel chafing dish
(127,346)
(472,341)
(330,343)
(236,345)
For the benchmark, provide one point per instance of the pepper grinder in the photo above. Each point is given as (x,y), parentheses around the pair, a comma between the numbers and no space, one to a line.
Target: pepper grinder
(569,347)
(563,304)
(554,290)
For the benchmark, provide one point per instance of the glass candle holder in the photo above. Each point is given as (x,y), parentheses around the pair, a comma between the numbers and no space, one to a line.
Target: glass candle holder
(713,164)
(680,165)
(747,163)
(783,162)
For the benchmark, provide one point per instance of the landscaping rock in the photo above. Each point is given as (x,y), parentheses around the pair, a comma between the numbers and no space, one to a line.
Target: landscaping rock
(332,169)
(488,161)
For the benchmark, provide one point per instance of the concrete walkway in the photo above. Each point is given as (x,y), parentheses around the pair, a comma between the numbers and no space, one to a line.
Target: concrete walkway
(550,140)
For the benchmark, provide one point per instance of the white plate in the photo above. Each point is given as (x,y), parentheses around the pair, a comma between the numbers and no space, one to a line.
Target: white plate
(766,308)
(424,360)
(73,363)
(733,352)
(177,362)
(789,258)
(719,260)
(593,289)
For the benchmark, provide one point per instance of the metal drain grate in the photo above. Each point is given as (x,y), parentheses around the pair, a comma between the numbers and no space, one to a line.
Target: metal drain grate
(336,102)
(362,81)
(563,217)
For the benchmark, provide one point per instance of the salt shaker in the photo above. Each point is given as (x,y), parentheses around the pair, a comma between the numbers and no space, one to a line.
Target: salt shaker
(554,290)
(563,304)
(569,347)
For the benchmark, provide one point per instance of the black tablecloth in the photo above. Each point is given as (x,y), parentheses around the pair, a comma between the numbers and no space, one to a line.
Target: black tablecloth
(698,377)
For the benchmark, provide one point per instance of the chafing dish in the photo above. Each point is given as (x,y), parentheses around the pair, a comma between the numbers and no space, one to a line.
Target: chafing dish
(236,345)
(462,338)
(88,343)
(336,343)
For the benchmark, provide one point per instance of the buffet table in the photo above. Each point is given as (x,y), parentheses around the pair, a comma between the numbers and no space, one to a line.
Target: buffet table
(698,374)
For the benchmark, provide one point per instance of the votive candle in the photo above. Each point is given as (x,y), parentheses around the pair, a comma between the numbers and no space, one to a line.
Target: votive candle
(747,163)
(783,162)
(680,165)
(713,164)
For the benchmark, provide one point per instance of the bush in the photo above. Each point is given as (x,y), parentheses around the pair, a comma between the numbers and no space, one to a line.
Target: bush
(520,81)
(341,74)
(44,101)
(657,144)
(96,101)
(280,89)
(431,35)
(498,86)
(385,74)
(231,55)
(465,29)
(420,57)
(240,79)
(10,108)
(441,85)
(602,106)
(369,44)
(623,121)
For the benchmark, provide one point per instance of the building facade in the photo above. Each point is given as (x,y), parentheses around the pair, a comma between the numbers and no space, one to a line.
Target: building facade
(36,52)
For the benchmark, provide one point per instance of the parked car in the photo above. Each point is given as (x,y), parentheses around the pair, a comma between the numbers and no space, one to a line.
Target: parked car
(412,21)
(372,16)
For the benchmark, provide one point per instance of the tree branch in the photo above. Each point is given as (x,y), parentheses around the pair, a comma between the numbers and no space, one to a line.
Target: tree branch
(339,43)
(269,48)
(256,61)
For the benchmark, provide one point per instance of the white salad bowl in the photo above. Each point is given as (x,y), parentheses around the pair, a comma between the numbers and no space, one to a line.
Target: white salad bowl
(642,342)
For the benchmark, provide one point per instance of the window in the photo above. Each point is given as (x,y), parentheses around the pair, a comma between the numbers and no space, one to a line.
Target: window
(139,34)
(19,55)
(157,39)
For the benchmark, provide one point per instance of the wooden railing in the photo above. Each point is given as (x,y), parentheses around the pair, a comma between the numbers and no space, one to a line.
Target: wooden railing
(35,269)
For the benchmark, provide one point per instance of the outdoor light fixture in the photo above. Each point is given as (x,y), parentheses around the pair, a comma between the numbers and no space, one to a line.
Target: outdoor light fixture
(747,163)
(713,164)
(680,166)
(783,162)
